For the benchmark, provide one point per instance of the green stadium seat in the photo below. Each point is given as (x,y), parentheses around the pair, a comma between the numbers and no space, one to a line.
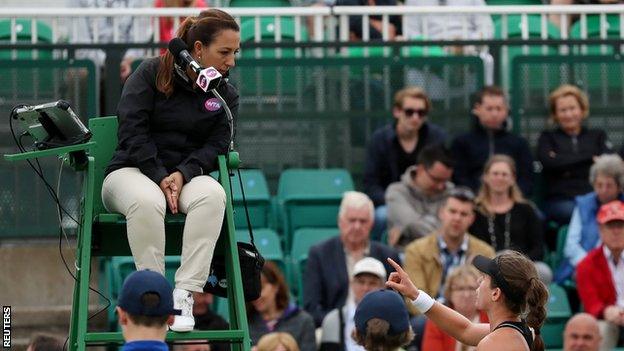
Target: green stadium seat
(557,314)
(514,28)
(558,255)
(309,198)
(257,196)
(594,28)
(23,29)
(267,34)
(303,240)
(259,3)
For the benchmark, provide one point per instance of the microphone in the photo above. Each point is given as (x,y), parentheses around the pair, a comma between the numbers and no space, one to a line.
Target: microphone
(207,78)
(179,50)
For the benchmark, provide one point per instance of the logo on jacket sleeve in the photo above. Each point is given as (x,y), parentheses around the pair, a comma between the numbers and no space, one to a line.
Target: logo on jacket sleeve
(212,104)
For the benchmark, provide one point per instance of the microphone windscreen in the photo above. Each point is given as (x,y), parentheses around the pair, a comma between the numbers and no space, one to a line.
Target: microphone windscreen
(176,46)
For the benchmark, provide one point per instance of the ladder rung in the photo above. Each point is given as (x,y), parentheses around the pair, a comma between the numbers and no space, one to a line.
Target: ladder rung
(211,335)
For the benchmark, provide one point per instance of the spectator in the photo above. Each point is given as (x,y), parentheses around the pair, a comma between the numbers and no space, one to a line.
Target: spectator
(128,29)
(413,203)
(581,333)
(145,308)
(166,24)
(42,342)
(330,263)
(457,26)
(460,294)
(272,311)
(607,178)
(375,23)
(600,276)
(567,152)
(430,259)
(277,342)
(556,18)
(504,219)
(382,322)
(396,146)
(206,319)
(488,137)
(368,275)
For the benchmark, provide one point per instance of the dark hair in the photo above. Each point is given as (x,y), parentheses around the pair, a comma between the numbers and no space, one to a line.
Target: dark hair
(520,274)
(431,154)
(204,28)
(378,339)
(149,300)
(274,276)
(490,90)
(461,194)
(44,342)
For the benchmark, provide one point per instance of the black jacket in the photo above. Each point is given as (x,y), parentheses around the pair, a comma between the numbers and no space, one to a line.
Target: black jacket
(471,150)
(566,162)
(161,135)
(326,281)
(382,165)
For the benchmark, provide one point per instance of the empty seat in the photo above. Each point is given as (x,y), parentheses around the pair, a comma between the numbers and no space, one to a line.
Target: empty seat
(303,240)
(310,198)
(257,196)
(557,314)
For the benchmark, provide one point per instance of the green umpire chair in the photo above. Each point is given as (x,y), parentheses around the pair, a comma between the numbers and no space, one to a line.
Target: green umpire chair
(104,234)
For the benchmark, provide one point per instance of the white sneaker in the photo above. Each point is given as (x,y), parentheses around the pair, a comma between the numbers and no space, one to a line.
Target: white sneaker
(183,300)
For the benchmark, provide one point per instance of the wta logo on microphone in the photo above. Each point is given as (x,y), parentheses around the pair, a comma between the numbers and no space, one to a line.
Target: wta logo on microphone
(212,104)
(208,79)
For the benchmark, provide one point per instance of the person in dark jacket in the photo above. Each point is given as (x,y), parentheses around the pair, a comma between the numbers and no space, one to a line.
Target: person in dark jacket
(273,312)
(568,151)
(170,133)
(396,146)
(488,137)
(330,262)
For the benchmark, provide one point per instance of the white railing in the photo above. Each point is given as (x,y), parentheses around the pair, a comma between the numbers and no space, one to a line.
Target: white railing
(63,21)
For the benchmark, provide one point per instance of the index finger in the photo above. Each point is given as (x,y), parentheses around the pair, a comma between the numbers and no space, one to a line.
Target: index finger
(396,266)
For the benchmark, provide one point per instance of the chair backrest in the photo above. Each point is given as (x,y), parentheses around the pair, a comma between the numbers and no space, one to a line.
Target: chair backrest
(558,312)
(533,23)
(311,198)
(257,196)
(104,131)
(23,33)
(303,240)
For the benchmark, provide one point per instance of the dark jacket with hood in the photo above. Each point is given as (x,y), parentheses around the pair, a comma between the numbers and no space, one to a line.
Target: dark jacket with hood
(183,132)
(382,159)
(472,150)
(566,160)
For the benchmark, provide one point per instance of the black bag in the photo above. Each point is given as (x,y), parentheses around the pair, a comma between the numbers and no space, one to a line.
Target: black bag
(251,263)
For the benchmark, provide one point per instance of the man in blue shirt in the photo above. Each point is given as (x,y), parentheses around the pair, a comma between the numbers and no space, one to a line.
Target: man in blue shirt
(145,309)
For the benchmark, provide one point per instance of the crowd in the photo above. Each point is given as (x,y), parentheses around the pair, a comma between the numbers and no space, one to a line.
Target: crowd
(432,205)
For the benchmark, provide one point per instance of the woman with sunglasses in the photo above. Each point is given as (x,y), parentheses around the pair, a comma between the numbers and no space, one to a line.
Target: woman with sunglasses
(509,288)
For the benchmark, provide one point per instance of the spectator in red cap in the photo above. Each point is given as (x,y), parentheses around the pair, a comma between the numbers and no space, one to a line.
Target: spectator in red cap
(600,276)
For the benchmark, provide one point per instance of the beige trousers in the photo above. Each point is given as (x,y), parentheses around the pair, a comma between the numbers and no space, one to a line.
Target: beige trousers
(142,202)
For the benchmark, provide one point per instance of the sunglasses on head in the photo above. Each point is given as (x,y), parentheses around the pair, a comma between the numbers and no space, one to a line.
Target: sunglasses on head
(409,112)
